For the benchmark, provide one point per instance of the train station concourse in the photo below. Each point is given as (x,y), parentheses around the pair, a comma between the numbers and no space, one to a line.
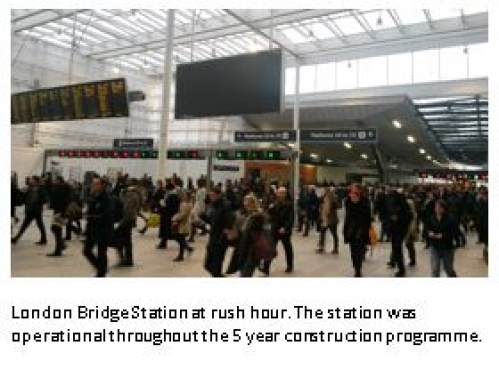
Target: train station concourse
(249,142)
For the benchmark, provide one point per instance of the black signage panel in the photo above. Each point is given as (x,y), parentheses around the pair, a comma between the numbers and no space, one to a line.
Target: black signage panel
(43,102)
(224,168)
(15,111)
(105,99)
(54,102)
(34,106)
(264,136)
(120,98)
(67,106)
(101,99)
(24,107)
(91,102)
(133,143)
(78,101)
(367,135)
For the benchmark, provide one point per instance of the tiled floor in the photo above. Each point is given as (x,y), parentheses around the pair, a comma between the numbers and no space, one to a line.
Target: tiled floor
(29,260)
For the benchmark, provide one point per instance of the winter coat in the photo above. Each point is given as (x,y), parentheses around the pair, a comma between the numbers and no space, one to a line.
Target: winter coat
(182,218)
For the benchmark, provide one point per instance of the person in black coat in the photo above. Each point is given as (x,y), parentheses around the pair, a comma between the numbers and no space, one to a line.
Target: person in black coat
(282,219)
(429,210)
(356,226)
(34,201)
(380,209)
(59,201)
(442,230)
(169,209)
(220,219)
(74,212)
(100,226)
(312,210)
(399,217)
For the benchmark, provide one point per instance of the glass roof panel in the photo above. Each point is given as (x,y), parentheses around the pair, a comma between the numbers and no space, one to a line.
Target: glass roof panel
(379,19)
(320,31)
(472,7)
(294,36)
(411,16)
(348,25)
(443,13)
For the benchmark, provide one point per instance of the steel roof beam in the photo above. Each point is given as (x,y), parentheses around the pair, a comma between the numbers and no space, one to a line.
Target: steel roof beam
(361,20)
(29,14)
(396,19)
(60,14)
(429,19)
(257,30)
(212,31)
(456,119)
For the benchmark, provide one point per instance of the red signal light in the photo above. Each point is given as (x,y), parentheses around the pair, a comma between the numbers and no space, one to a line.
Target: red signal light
(71,154)
(62,153)
(116,154)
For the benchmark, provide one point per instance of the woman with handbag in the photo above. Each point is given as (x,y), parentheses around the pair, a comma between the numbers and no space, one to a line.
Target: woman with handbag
(254,244)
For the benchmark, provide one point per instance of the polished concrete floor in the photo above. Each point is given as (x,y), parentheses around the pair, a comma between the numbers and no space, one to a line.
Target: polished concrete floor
(29,260)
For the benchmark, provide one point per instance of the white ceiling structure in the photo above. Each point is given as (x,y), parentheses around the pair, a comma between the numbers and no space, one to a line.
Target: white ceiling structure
(136,39)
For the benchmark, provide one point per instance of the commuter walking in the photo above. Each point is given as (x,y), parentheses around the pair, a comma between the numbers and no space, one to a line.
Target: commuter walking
(399,216)
(442,229)
(100,226)
(282,219)
(167,210)
(220,219)
(131,200)
(181,225)
(35,199)
(59,202)
(356,226)
(329,219)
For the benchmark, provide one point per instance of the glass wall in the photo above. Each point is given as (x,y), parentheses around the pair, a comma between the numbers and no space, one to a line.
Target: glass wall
(444,64)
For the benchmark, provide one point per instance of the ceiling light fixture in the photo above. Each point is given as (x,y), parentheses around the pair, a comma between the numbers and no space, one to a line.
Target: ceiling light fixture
(379,21)
(422,151)
(397,124)
(428,157)
(411,139)
(313,155)
(364,156)
(116,70)
(133,14)
(329,160)
(348,145)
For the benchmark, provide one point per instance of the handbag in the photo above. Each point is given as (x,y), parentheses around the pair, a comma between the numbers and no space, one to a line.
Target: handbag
(153,220)
(263,248)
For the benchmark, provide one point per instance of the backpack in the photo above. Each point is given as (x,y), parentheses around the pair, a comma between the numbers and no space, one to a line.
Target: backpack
(263,247)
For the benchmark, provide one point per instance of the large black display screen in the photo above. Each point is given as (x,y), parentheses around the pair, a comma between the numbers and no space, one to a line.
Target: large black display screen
(91,100)
(242,84)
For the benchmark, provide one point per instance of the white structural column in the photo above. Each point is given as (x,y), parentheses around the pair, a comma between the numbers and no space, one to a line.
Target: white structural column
(166,107)
(296,127)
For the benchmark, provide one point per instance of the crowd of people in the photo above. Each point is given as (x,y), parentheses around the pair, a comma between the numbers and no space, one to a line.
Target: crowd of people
(253,219)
